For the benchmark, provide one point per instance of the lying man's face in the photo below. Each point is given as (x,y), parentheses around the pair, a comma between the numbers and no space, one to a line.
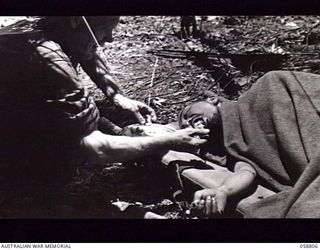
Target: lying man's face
(199,115)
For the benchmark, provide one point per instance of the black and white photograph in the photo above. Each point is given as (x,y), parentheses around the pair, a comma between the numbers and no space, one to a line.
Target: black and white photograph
(159,117)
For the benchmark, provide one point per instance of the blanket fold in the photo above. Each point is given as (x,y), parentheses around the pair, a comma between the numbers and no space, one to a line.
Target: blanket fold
(275,127)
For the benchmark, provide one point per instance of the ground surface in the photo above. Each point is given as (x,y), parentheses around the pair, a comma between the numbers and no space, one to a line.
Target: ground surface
(242,49)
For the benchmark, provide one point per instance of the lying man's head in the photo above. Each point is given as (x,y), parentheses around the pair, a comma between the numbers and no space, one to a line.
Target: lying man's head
(204,114)
(200,114)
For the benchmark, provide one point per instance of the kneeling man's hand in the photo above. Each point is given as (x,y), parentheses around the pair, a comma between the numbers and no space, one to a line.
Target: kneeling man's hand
(141,111)
(188,139)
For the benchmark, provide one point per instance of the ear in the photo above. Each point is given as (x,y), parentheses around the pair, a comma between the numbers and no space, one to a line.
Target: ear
(216,101)
(182,121)
(211,97)
(75,21)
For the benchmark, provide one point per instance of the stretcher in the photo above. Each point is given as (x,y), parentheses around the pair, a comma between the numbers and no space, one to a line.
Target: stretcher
(209,175)
(213,176)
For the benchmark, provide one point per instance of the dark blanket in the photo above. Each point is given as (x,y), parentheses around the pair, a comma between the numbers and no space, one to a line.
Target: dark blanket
(275,126)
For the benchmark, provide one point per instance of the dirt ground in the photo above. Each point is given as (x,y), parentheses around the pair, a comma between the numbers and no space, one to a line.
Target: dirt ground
(241,50)
(225,56)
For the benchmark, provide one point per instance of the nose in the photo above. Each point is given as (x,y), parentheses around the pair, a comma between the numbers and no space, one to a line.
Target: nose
(104,40)
(106,37)
(109,39)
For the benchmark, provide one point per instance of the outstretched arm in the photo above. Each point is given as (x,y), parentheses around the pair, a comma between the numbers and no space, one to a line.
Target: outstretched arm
(213,200)
(99,147)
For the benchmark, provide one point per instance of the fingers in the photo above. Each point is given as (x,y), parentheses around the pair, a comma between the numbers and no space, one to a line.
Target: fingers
(208,205)
(214,206)
(221,200)
(202,194)
(153,117)
(184,140)
(198,141)
(146,110)
(193,145)
(208,200)
(139,109)
(148,120)
(211,206)
(197,131)
(194,133)
(143,112)
(139,117)
(152,113)
(201,204)
(199,136)
(197,196)
(200,131)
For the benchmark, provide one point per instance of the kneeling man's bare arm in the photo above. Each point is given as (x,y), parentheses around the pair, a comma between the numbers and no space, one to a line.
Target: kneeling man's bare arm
(103,148)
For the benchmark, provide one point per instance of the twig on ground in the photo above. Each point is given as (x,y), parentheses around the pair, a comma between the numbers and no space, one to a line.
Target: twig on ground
(152,77)
(187,100)
(171,94)
(158,81)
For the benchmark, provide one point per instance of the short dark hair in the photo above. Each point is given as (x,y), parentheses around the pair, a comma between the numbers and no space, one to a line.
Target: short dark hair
(52,23)
(60,23)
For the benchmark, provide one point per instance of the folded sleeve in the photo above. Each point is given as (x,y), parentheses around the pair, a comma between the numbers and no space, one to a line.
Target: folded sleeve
(72,112)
